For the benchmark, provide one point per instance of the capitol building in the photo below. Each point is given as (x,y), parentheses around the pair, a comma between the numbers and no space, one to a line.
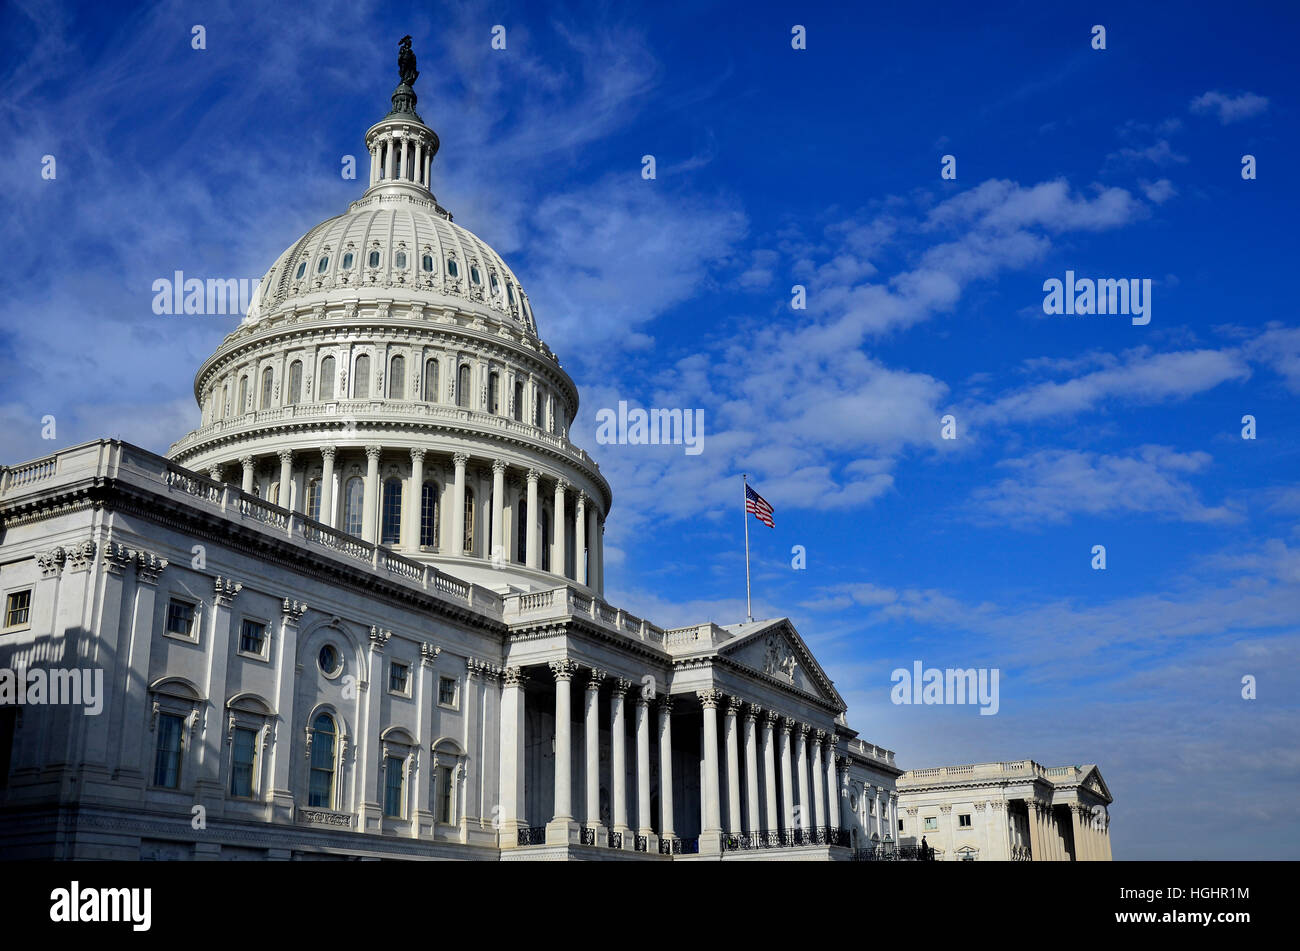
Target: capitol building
(359,611)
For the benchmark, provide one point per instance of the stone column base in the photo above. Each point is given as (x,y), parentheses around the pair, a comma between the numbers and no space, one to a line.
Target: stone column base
(562,832)
(711,842)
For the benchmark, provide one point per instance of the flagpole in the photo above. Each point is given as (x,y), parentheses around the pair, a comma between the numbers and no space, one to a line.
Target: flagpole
(749,610)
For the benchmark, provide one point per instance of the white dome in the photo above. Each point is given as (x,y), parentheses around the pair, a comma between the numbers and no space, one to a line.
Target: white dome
(389,245)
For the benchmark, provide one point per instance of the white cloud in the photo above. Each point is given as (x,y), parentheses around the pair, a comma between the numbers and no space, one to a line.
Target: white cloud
(1229,108)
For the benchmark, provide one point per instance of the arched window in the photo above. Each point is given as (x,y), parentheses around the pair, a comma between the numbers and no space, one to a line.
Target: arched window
(391,522)
(361,378)
(546,540)
(427,262)
(268,382)
(397,378)
(324,734)
(313,499)
(539,399)
(325,386)
(474,275)
(394,786)
(352,505)
(521,520)
(302,269)
(510,293)
(347,261)
(274,495)
(462,386)
(223,408)
(469,521)
(322,264)
(374,259)
(399,260)
(243,396)
(492,282)
(429,515)
(519,401)
(494,390)
(295,382)
(453,270)
(431,380)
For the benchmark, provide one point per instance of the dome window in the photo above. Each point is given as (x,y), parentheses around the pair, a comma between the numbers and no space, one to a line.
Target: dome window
(374,259)
(452,269)
(400,260)
(322,264)
(347,261)
(510,292)
(302,269)
(427,262)
(474,275)
(492,279)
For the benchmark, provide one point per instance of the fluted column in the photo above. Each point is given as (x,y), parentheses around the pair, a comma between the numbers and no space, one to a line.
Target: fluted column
(247,484)
(286,479)
(618,757)
(751,768)
(458,505)
(593,565)
(881,806)
(414,499)
(787,776)
(498,512)
(512,755)
(644,820)
(832,786)
(388,157)
(732,734)
(417,166)
(370,507)
(580,539)
(805,817)
(1035,830)
(327,485)
(666,767)
(373,166)
(562,829)
(557,546)
(771,822)
(531,547)
(591,733)
(1105,838)
(845,817)
(819,814)
(711,835)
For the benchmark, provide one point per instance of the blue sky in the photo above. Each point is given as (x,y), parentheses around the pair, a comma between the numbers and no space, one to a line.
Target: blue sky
(777,167)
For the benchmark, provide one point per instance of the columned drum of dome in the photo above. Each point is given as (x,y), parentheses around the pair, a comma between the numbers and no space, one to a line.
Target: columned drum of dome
(390,358)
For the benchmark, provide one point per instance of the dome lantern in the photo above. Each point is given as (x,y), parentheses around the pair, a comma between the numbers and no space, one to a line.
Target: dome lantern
(401,146)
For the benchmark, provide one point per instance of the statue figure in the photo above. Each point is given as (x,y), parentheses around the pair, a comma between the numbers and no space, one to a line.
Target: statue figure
(406,62)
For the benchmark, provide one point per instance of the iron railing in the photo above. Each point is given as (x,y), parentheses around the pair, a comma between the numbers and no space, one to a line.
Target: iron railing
(532,835)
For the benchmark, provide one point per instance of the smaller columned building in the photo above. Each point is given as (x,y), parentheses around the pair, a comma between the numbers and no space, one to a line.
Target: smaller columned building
(1018,811)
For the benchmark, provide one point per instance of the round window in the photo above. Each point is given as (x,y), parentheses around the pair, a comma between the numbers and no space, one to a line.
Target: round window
(330,660)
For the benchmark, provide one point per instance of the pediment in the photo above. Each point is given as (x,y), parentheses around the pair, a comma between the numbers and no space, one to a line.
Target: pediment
(776,651)
(1093,782)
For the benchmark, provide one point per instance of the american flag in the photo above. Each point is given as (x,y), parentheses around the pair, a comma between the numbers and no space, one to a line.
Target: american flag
(759,506)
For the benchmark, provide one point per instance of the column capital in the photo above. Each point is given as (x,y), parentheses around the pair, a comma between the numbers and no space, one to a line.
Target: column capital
(429,654)
(513,676)
(665,703)
(832,741)
(621,686)
(214,473)
(379,638)
(533,475)
(498,465)
(224,591)
(753,711)
(291,611)
(582,501)
(247,461)
(563,669)
(804,729)
(733,706)
(770,717)
(946,808)
(821,737)
(709,698)
(594,677)
(372,453)
(459,459)
(326,451)
(561,485)
(417,455)
(286,455)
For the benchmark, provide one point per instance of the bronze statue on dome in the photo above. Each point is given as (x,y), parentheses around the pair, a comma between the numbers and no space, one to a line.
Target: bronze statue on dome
(406,62)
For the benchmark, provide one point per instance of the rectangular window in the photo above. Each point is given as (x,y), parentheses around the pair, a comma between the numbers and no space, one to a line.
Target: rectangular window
(252,637)
(444,794)
(242,761)
(447,692)
(18,608)
(167,762)
(931,824)
(394,781)
(180,618)
(399,675)
(963,822)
